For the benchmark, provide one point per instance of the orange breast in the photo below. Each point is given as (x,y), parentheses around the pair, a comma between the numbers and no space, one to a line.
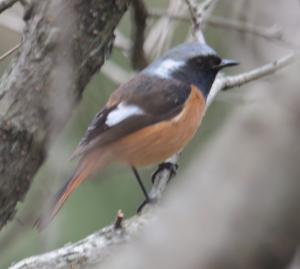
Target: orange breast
(155,143)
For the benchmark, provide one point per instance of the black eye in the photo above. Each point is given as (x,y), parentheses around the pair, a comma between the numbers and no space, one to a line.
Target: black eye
(214,61)
(206,62)
(199,61)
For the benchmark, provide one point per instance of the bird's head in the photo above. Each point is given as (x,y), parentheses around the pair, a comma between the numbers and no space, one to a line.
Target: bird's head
(198,56)
(190,62)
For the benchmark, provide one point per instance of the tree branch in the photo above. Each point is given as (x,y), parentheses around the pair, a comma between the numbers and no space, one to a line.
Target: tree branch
(122,42)
(269,33)
(5,4)
(64,44)
(115,73)
(92,250)
(198,14)
(228,82)
(9,52)
(139,18)
(100,245)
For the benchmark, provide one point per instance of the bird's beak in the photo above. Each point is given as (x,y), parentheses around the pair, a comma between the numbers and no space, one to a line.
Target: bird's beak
(226,63)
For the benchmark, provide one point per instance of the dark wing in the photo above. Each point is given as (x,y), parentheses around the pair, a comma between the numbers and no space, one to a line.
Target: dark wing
(159,99)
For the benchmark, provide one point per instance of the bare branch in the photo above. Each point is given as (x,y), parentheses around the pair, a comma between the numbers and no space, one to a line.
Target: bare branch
(269,33)
(140,14)
(268,69)
(162,178)
(115,72)
(198,14)
(273,32)
(229,82)
(162,32)
(5,4)
(9,52)
(95,248)
(87,252)
(122,42)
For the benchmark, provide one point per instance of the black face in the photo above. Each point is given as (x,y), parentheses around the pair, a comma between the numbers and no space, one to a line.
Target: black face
(200,71)
(205,63)
(191,63)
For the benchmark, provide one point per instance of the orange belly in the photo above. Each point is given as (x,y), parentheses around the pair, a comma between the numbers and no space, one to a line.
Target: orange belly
(156,143)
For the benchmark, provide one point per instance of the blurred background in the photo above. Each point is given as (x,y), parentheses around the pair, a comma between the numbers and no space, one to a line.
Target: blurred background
(95,204)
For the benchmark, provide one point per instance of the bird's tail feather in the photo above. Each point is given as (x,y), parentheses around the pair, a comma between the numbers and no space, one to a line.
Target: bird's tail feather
(83,170)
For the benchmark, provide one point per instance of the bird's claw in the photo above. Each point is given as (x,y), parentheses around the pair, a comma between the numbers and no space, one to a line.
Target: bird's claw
(146,202)
(172,167)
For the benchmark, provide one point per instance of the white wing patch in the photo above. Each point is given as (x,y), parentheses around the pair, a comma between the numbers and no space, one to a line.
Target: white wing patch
(166,67)
(122,112)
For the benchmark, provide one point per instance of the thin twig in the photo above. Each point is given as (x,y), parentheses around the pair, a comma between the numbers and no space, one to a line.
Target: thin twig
(272,32)
(161,34)
(5,4)
(140,14)
(198,14)
(269,33)
(9,52)
(197,19)
(229,82)
(122,42)
(268,69)
(115,72)
(118,224)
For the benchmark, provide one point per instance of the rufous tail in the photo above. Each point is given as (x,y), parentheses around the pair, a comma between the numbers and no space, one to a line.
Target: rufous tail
(84,169)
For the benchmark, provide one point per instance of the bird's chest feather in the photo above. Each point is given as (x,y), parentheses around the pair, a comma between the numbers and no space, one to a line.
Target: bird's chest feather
(188,120)
(157,142)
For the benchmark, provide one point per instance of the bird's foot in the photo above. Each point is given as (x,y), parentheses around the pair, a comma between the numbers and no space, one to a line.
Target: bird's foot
(150,201)
(172,167)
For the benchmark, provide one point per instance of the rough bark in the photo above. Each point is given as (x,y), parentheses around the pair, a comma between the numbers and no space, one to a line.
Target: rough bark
(64,43)
(5,4)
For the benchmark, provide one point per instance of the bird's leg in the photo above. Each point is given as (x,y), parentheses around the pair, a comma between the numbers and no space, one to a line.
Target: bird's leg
(148,200)
(139,180)
(172,167)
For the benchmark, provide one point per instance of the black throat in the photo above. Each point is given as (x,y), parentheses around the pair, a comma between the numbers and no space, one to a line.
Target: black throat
(190,74)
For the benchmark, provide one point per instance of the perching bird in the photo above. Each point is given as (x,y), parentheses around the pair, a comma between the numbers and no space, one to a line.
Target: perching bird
(149,118)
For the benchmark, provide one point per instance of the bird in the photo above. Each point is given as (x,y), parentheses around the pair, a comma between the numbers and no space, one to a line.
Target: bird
(147,119)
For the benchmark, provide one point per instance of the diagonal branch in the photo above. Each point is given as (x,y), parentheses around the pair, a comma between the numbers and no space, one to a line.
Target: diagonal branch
(269,33)
(5,4)
(139,18)
(268,69)
(9,52)
(273,32)
(229,82)
(198,15)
